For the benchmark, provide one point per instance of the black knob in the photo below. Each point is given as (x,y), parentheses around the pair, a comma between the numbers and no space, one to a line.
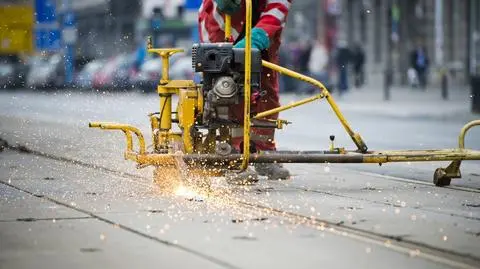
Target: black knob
(332,137)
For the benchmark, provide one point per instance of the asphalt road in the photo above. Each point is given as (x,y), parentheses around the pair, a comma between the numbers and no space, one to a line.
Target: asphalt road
(73,202)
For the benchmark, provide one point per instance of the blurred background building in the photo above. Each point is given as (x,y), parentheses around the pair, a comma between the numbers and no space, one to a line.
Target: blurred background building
(108,27)
(388,30)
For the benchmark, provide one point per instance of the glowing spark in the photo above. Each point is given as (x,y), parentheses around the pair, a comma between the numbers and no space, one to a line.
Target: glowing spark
(185,192)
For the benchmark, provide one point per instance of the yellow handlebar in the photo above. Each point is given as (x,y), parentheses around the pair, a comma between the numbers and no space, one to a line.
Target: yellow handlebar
(248,74)
(228,27)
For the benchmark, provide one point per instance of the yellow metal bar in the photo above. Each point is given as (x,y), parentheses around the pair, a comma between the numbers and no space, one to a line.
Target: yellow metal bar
(421,155)
(165,54)
(165,69)
(125,128)
(248,74)
(173,85)
(186,116)
(296,75)
(355,137)
(461,138)
(165,112)
(155,126)
(165,117)
(350,157)
(149,43)
(128,135)
(228,27)
(289,106)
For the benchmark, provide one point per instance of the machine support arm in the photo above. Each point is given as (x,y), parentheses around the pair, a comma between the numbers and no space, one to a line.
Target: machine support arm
(248,74)
(357,139)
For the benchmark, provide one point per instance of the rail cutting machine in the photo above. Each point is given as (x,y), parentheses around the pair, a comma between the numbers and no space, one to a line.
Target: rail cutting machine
(231,76)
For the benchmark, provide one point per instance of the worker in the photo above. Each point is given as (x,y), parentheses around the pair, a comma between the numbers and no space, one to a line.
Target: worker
(268,20)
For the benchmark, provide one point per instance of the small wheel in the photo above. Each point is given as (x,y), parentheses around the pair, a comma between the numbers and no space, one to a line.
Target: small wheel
(440,178)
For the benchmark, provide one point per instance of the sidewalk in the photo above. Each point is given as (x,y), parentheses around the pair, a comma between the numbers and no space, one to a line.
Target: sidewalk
(405,102)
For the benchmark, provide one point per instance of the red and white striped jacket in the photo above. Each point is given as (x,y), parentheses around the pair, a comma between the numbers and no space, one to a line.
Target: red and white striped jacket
(273,14)
(272,19)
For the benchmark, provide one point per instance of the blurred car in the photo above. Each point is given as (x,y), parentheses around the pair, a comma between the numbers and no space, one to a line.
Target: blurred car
(105,74)
(148,76)
(46,72)
(115,74)
(7,75)
(182,68)
(84,78)
(12,72)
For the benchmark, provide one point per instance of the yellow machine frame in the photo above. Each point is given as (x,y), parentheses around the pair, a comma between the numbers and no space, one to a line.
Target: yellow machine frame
(169,145)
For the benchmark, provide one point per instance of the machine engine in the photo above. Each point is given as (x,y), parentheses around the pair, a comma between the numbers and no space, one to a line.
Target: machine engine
(223,69)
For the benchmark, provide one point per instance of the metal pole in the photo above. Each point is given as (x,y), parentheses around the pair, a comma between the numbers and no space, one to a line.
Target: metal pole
(387,83)
(473,41)
(444,83)
(439,48)
(439,33)
(469,38)
(69,38)
(320,20)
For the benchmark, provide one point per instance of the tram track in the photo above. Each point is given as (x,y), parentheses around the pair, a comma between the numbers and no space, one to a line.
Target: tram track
(386,203)
(411,248)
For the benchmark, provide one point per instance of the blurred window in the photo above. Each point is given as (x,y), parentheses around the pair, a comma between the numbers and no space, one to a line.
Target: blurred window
(5,69)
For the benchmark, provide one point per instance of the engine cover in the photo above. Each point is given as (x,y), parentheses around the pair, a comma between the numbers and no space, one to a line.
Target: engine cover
(223,70)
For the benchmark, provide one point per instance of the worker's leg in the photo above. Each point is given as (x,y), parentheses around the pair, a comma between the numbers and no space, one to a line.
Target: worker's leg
(263,139)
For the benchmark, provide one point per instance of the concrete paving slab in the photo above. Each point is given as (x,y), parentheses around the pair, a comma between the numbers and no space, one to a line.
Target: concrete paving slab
(19,206)
(86,244)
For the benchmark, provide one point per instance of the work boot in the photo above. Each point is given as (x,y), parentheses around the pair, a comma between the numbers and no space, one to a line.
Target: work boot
(247,177)
(274,171)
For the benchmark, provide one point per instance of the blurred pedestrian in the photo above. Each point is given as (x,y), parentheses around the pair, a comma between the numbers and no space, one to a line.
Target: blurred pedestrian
(268,20)
(140,55)
(420,62)
(304,57)
(286,82)
(318,64)
(412,77)
(358,62)
(342,59)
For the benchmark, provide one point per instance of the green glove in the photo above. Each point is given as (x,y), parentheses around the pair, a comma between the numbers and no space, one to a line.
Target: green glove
(260,40)
(228,6)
